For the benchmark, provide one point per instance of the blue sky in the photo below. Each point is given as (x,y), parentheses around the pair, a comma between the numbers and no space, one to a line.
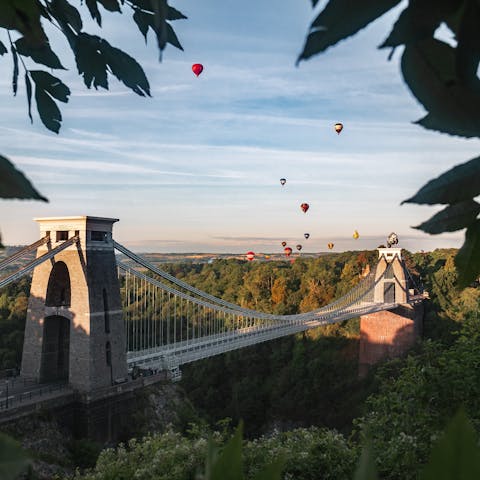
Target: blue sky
(197,167)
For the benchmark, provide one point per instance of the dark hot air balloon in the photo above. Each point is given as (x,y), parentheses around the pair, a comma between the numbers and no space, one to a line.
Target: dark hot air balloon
(306,235)
(330,245)
(283,181)
(298,247)
(284,244)
(250,256)
(304,207)
(338,127)
(197,68)
(288,251)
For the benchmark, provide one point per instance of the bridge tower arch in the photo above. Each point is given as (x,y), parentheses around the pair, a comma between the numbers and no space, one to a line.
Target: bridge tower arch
(390,333)
(74,328)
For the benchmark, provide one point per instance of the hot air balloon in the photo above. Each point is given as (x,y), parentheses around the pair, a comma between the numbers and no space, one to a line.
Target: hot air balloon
(304,207)
(330,245)
(306,235)
(267,257)
(197,68)
(298,247)
(338,127)
(283,181)
(250,256)
(284,244)
(288,251)
(355,235)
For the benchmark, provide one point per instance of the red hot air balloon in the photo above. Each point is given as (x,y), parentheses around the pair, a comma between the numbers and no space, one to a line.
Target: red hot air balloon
(197,68)
(288,251)
(284,244)
(338,128)
(250,256)
(304,207)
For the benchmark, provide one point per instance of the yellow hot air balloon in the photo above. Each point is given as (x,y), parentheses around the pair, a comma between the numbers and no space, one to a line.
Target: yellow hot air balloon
(330,245)
(355,235)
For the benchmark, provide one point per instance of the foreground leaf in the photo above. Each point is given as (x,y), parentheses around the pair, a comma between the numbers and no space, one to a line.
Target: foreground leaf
(126,69)
(44,54)
(366,469)
(339,20)
(13,460)
(418,21)
(429,69)
(457,455)
(53,85)
(23,16)
(28,88)
(461,183)
(46,87)
(66,14)
(454,217)
(15,70)
(14,184)
(228,464)
(467,260)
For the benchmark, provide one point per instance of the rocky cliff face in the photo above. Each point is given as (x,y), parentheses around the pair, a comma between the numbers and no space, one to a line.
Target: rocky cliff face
(55,451)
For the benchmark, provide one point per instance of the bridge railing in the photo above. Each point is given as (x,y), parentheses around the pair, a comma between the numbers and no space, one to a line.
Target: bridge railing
(12,400)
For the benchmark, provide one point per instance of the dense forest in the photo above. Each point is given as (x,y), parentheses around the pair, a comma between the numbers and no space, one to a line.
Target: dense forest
(300,396)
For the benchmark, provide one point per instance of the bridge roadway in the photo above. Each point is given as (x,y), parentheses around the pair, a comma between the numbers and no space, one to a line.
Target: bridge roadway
(173,355)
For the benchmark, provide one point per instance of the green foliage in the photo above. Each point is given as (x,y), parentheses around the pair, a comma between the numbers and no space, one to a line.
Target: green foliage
(457,454)
(13,460)
(94,56)
(443,79)
(13,311)
(14,184)
(339,20)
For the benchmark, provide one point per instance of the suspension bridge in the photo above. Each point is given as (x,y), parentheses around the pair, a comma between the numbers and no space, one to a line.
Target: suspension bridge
(97,311)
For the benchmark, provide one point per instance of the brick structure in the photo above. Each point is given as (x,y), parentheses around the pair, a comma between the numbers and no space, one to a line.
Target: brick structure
(74,328)
(389,333)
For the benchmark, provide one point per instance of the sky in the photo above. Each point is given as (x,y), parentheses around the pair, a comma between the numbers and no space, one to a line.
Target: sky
(196,168)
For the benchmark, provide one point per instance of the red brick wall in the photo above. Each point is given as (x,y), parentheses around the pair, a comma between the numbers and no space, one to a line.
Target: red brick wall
(388,334)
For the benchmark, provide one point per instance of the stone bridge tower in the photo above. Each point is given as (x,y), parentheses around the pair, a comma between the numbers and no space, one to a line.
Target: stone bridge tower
(390,333)
(74,329)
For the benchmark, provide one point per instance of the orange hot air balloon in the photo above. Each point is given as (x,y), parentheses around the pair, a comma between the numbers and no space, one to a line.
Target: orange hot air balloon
(338,127)
(355,235)
(267,257)
(330,245)
(288,251)
(250,256)
(197,68)
(306,235)
(298,247)
(283,181)
(304,207)
(284,244)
